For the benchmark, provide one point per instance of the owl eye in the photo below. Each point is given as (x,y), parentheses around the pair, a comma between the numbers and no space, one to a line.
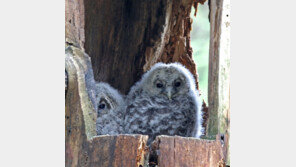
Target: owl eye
(177,84)
(159,85)
(102,106)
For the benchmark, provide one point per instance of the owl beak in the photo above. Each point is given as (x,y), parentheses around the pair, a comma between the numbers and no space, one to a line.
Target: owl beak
(169,94)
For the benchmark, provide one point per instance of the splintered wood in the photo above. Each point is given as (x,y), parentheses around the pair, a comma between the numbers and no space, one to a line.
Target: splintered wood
(176,45)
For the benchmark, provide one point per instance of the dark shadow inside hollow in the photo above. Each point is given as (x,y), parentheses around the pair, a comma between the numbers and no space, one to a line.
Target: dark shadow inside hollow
(153,157)
(117,34)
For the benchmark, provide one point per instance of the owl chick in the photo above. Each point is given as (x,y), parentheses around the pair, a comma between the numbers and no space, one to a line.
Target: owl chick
(110,110)
(164,102)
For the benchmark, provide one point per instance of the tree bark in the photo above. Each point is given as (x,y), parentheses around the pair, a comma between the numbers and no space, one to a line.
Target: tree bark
(124,38)
(188,152)
(219,66)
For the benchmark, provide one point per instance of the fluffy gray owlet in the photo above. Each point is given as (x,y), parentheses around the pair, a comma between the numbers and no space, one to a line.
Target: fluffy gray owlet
(164,102)
(110,109)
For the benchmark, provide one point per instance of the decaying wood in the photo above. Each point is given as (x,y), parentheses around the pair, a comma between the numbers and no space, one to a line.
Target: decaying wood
(130,34)
(74,22)
(83,148)
(80,78)
(177,47)
(80,122)
(123,40)
(205,118)
(219,66)
(218,69)
(213,91)
(188,152)
(195,5)
(116,151)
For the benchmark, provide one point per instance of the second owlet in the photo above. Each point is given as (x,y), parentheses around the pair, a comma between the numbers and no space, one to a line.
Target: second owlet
(110,110)
(164,102)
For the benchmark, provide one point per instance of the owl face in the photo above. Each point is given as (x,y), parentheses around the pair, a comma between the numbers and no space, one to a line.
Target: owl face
(108,99)
(167,81)
(105,103)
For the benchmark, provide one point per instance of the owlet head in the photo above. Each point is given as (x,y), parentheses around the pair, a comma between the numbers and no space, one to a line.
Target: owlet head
(168,80)
(108,99)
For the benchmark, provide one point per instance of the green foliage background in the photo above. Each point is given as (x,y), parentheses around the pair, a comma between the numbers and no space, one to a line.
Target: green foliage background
(200,41)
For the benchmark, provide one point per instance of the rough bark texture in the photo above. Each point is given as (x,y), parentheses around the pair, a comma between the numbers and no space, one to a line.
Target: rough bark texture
(74,22)
(80,115)
(219,66)
(130,34)
(121,150)
(213,98)
(218,69)
(205,118)
(188,152)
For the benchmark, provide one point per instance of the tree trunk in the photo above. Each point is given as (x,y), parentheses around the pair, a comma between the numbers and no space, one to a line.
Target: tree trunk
(123,39)
(219,66)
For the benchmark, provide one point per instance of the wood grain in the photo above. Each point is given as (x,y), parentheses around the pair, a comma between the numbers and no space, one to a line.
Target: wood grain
(188,152)
(219,69)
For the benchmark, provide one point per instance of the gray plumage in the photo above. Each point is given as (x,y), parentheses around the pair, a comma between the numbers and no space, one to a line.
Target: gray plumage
(164,102)
(110,110)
